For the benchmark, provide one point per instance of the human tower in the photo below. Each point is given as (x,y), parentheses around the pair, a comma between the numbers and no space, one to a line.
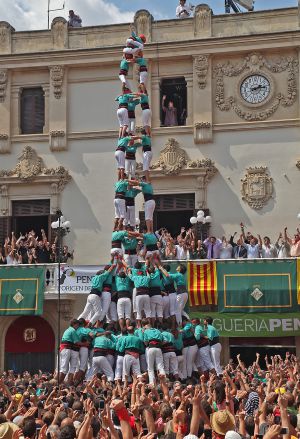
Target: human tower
(134,319)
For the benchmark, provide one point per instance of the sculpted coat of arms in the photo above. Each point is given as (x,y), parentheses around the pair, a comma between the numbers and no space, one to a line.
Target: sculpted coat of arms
(257,187)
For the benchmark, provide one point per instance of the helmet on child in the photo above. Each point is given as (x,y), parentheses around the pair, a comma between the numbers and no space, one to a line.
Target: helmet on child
(143,38)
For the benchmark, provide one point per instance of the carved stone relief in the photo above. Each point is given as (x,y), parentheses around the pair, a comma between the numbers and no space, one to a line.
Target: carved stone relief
(256,63)
(298,164)
(201,65)
(143,23)
(3,84)
(59,29)
(4,144)
(57,77)
(57,140)
(202,21)
(257,187)
(202,132)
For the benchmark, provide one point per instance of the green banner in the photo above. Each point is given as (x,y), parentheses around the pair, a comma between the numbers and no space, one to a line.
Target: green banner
(254,325)
(21,290)
(266,286)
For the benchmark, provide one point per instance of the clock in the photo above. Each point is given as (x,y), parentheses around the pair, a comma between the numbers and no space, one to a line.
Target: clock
(255,89)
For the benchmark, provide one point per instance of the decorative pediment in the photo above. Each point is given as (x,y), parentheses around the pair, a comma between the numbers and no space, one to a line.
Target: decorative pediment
(257,187)
(30,177)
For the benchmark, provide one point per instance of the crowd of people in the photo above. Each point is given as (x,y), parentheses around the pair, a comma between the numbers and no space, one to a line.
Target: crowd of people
(245,402)
(32,249)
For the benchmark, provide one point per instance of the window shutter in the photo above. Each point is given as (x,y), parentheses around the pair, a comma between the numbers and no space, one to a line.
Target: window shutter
(4,228)
(32,110)
(174,202)
(31,208)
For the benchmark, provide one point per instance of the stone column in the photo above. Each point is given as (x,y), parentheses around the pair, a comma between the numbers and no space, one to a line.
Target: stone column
(58,108)
(5,111)
(59,31)
(202,98)
(190,91)
(155,101)
(143,24)
(6,31)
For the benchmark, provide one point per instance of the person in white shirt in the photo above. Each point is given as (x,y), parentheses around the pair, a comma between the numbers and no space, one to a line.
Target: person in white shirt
(268,250)
(183,10)
(181,250)
(283,247)
(225,249)
(253,249)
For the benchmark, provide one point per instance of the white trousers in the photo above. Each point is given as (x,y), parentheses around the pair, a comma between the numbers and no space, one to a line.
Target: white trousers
(166,307)
(143,304)
(122,114)
(120,208)
(143,78)
(146,117)
(130,260)
(131,364)
(83,358)
(133,300)
(215,351)
(156,303)
(102,365)
(149,209)
(130,216)
(68,361)
(120,158)
(181,367)
(124,308)
(181,300)
(170,363)
(190,355)
(124,80)
(155,361)
(130,167)
(137,44)
(112,315)
(173,303)
(119,367)
(204,361)
(105,302)
(147,157)
(132,123)
(92,309)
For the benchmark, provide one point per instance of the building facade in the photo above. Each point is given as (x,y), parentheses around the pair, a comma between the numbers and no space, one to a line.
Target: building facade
(235,151)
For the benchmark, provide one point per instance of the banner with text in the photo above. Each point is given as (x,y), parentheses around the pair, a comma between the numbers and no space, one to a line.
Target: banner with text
(21,290)
(266,286)
(254,325)
(77,279)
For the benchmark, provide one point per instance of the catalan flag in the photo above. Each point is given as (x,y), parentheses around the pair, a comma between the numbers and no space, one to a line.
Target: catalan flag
(202,283)
(298,281)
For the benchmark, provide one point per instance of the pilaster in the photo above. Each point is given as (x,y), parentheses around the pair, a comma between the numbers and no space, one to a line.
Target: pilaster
(58,108)
(5,98)
(6,31)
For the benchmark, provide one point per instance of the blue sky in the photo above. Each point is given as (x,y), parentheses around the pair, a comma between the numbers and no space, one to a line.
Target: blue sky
(32,14)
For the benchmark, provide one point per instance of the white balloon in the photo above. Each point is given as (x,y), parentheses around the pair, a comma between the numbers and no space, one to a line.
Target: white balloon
(193,220)
(208,219)
(204,221)
(54,225)
(200,219)
(67,225)
(298,216)
(200,213)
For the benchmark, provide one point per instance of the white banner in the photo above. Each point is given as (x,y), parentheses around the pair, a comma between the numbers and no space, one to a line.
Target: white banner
(77,279)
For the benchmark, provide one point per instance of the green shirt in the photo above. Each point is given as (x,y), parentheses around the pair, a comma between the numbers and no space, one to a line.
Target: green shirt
(134,342)
(199,332)
(152,334)
(99,279)
(70,335)
(132,193)
(156,280)
(121,186)
(188,331)
(178,342)
(211,332)
(141,62)
(84,333)
(124,99)
(133,104)
(103,342)
(120,346)
(144,99)
(124,64)
(147,188)
(130,243)
(168,337)
(123,141)
(149,239)
(140,281)
(132,148)
(178,278)
(123,283)
(146,140)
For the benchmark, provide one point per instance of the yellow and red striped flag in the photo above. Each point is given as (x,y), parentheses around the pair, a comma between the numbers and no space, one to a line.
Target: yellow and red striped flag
(202,283)
(298,281)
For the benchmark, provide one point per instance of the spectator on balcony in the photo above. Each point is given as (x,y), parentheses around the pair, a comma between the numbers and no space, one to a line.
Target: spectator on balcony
(283,247)
(225,249)
(2,255)
(43,249)
(161,249)
(197,250)
(183,10)
(268,250)
(170,250)
(213,246)
(170,113)
(12,257)
(181,249)
(67,256)
(74,20)
(294,243)
(239,248)
(254,247)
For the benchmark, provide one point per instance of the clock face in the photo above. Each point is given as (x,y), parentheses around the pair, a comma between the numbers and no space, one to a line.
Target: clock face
(255,89)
